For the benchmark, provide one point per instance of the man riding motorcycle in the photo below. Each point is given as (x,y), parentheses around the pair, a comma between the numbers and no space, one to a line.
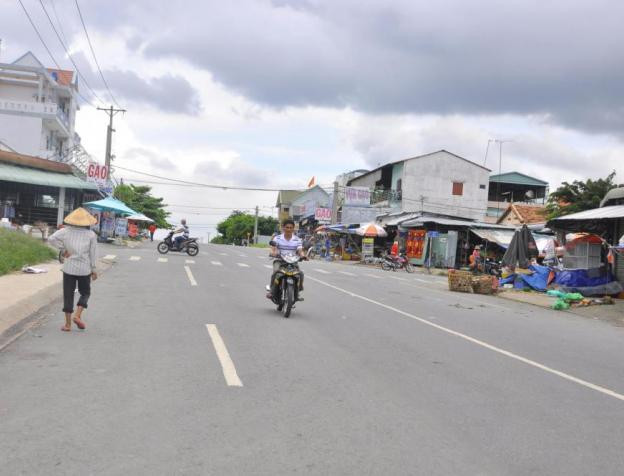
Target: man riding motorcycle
(286,243)
(185,234)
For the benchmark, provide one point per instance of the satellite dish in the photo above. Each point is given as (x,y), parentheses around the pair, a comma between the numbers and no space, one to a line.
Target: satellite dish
(530,194)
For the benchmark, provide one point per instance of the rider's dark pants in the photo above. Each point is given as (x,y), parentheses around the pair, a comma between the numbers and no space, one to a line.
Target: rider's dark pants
(178,241)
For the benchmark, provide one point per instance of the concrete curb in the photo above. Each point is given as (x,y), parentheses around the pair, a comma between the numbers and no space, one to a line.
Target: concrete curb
(24,313)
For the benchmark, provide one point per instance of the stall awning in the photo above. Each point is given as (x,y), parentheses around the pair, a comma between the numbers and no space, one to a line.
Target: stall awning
(110,204)
(15,173)
(422,220)
(500,237)
(593,220)
(397,220)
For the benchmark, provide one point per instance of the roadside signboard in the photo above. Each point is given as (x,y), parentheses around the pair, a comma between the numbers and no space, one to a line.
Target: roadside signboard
(323,215)
(121,227)
(433,234)
(98,174)
(368,245)
(357,196)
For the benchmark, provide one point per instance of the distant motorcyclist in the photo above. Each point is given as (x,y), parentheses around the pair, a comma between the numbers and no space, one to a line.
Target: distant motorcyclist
(286,243)
(184,234)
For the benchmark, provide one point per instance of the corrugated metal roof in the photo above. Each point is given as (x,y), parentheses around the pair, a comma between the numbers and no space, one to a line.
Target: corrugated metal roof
(420,221)
(614,211)
(613,194)
(518,179)
(14,173)
(500,237)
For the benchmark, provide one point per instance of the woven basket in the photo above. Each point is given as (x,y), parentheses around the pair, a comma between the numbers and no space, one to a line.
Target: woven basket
(483,285)
(460,281)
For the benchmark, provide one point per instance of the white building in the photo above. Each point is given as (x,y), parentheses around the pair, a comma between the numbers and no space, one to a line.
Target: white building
(37,108)
(439,182)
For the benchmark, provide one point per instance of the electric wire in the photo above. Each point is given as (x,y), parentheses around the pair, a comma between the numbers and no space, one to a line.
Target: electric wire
(94,57)
(39,35)
(58,36)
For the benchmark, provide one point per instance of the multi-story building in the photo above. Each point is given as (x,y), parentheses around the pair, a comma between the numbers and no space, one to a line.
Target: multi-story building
(37,108)
(440,182)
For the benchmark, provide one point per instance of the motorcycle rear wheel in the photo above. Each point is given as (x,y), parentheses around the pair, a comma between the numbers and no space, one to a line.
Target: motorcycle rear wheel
(409,267)
(192,250)
(163,248)
(386,266)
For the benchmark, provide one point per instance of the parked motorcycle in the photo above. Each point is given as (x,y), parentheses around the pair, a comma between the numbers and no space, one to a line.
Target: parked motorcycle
(189,246)
(390,262)
(493,267)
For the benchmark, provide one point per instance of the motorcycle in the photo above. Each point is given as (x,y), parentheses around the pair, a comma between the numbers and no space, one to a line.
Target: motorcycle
(189,245)
(493,268)
(287,284)
(390,262)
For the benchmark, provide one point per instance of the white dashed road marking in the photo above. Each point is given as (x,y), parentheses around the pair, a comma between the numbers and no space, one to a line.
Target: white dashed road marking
(163,260)
(397,278)
(243,265)
(229,371)
(216,263)
(268,266)
(190,276)
(135,258)
(223,254)
(321,271)
(506,353)
(110,257)
(346,273)
(372,276)
(190,261)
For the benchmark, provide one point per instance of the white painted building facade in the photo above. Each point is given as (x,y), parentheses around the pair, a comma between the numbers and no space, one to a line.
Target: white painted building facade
(37,108)
(439,182)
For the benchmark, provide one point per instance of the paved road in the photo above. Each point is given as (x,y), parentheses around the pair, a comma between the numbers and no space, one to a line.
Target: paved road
(375,373)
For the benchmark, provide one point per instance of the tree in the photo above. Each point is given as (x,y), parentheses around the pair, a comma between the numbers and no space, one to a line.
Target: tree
(238,226)
(141,200)
(578,196)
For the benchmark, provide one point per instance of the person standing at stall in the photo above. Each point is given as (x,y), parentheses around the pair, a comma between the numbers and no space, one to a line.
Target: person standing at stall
(78,247)
(152,230)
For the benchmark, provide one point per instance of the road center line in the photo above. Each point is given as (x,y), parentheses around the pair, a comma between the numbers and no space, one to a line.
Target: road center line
(346,273)
(321,271)
(397,278)
(243,265)
(216,263)
(229,371)
(110,257)
(190,276)
(372,275)
(135,258)
(481,343)
(190,261)
(162,260)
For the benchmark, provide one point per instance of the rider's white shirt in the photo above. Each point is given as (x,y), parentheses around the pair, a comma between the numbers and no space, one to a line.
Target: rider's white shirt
(285,246)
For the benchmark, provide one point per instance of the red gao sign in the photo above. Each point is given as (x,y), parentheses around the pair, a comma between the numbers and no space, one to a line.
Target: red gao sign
(97,172)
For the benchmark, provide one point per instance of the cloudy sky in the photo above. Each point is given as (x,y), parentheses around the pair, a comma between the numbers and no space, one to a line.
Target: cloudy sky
(269,93)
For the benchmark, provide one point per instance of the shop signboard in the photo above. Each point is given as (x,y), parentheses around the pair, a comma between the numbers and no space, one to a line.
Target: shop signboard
(368,245)
(121,227)
(351,215)
(357,196)
(97,174)
(433,234)
(323,215)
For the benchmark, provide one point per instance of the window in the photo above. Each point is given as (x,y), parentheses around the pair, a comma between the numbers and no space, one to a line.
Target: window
(458,188)
(46,201)
(482,187)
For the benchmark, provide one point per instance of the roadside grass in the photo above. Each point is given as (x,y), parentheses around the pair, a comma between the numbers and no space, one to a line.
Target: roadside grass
(18,250)
(258,245)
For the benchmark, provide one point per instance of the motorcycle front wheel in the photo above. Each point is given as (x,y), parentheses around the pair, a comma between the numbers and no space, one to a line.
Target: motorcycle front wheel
(192,250)
(162,248)
(386,266)
(409,267)
(289,300)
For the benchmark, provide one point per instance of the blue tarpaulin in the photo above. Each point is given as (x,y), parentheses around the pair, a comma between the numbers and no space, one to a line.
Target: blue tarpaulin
(583,277)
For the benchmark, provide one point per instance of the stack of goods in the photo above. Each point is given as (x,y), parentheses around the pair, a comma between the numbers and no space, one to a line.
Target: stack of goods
(484,284)
(460,281)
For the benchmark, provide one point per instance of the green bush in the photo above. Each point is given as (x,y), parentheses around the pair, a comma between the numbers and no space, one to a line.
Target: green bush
(18,250)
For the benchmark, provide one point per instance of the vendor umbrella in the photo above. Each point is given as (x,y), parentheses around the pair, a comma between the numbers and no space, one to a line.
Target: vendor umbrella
(110,204)
(371,230)
(521,248)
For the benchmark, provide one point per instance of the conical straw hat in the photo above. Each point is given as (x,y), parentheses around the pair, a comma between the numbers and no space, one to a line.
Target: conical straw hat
(80,217)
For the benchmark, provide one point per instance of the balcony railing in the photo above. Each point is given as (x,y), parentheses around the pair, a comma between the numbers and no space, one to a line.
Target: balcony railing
(42,109)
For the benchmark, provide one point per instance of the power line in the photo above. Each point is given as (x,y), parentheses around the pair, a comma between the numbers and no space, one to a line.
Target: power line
(198,184)
(39,35)
(67,51)
(58,21)
(93,53)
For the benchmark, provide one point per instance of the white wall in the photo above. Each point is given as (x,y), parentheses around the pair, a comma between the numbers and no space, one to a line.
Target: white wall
(432,176)
(22,133)
(367,180)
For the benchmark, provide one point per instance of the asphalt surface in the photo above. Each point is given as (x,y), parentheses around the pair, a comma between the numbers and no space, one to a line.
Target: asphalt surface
(375,373)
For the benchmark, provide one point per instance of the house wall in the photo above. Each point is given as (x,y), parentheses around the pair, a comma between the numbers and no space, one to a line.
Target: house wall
(367,180)
(22,133)
(317,195)
(432,177)
(397,174)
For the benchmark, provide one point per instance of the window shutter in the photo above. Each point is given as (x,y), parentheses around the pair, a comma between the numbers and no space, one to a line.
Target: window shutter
(458,188)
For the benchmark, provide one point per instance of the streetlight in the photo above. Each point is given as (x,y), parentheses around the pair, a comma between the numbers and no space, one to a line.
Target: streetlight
(500,162)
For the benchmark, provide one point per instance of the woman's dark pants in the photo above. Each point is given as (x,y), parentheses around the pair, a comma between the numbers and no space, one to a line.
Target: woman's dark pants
(69,286)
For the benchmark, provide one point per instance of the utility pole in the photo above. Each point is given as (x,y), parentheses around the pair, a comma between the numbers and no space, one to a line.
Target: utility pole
(500,162)
(334,215)
(109,136)
(256,227)
(422,203)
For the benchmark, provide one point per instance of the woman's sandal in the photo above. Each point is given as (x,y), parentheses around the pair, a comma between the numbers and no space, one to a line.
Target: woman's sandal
(66,329)
(79,323)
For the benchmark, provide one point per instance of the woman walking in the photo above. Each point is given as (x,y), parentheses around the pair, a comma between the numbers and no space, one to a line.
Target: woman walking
(78,248)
